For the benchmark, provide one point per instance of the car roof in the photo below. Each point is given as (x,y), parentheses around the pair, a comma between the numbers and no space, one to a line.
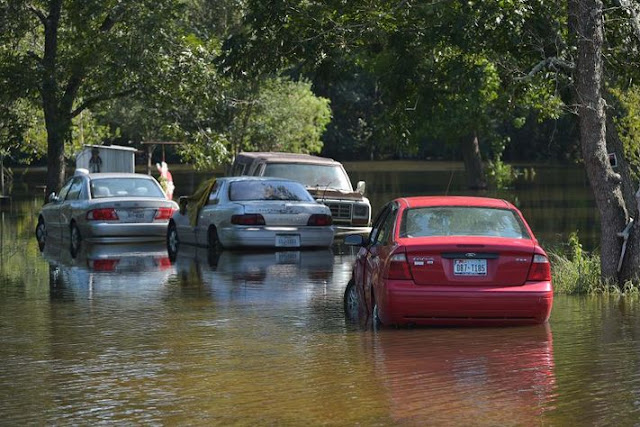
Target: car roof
(115,175)
(428,201)
(255,178)
(272,156)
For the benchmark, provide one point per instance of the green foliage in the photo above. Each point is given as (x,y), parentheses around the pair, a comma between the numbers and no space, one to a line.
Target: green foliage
(501,175)
(285,116)
(279,115)
(574,270)
(628,124)
(433,72)
(18,139)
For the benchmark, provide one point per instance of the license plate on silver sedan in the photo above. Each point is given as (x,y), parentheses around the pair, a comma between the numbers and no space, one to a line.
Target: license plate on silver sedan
(137,215)
(470,267)
(287,240)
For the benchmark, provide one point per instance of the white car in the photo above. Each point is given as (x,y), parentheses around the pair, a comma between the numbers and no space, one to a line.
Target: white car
(251,212)
(325,179)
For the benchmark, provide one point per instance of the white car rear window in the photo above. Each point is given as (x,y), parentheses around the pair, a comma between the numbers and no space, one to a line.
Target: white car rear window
(268,190)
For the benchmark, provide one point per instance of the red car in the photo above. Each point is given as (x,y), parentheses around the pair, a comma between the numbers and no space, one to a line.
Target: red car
(449,261)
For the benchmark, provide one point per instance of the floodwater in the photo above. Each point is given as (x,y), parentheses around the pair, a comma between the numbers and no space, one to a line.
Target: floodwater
(122,335)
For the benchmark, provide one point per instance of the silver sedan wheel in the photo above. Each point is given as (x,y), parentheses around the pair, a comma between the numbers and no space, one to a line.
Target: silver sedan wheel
(76,238)
(172,241)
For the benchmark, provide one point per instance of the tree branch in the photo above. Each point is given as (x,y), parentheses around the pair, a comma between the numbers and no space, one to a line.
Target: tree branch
(107,24)
(553,63)
(71,90)
(631,9)
(102,97)
(40,14)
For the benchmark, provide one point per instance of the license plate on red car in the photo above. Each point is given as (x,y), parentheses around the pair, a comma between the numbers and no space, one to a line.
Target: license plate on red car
(470,267)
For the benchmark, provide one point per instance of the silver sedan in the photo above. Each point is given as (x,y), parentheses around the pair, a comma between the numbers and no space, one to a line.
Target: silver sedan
(106,208)
(251,212)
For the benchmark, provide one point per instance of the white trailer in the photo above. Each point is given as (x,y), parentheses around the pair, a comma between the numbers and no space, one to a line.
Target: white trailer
(106,158)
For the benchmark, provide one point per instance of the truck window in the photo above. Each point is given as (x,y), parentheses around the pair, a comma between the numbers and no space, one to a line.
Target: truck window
(311,175)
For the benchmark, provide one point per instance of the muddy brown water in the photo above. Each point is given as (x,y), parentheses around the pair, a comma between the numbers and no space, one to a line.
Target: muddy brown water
(121,335)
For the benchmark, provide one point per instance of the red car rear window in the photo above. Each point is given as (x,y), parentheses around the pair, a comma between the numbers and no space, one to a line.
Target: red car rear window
(462,221)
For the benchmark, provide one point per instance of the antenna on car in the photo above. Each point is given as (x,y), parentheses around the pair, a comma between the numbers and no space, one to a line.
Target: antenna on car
(326,187)
(446,193)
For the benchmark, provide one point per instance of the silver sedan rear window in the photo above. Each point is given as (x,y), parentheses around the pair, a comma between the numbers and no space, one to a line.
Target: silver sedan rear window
(125,187)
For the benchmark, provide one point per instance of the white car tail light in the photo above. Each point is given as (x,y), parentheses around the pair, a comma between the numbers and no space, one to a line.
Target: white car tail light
(163,214)
(320,220)
(247,219)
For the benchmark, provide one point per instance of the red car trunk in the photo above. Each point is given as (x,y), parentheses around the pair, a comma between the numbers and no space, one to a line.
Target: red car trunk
(469,261)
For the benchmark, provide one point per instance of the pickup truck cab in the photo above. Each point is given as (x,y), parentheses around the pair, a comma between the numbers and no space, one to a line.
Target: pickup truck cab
(326,180)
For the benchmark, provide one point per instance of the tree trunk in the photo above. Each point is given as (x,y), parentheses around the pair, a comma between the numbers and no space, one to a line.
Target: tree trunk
(57,131)
(630,268)
(605,183)
(57,126)
(476,179)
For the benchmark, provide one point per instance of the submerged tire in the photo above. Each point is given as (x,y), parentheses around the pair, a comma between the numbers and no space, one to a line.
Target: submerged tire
(173,242)
(75,239)
(213,240)
(375,315)
(351,302)
(41,233)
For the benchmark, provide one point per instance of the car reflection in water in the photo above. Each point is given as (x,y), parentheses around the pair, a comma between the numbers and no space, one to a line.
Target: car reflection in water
(462,376)
(255,274)
(107,269)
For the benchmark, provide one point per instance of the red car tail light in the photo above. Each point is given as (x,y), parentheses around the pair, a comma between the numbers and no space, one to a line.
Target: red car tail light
(399,268)
(247,219)
(163,262)
(540,269)
(163,214)
(320,220)
(104,214)
(103,264)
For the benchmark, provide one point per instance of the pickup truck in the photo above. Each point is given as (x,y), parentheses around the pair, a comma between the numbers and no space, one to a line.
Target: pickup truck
(326,180)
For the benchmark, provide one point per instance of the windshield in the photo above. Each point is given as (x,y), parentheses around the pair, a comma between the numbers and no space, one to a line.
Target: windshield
(461,221)
(125,187)
(322,176)
(268,190)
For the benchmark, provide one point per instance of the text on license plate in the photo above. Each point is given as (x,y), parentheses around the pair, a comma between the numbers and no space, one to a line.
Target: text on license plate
(287,240)
(136,215)
(470,267)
